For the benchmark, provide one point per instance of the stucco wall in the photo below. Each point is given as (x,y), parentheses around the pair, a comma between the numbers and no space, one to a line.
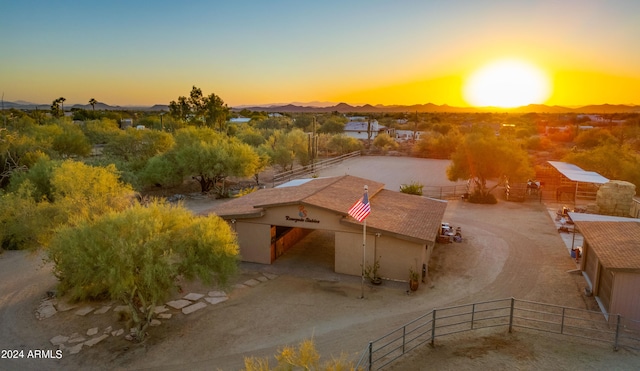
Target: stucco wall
(396,256)
(255,241)
(301,216)
(626,295)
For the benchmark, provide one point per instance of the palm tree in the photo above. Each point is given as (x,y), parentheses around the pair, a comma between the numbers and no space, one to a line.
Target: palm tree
(93,103)
(61,100)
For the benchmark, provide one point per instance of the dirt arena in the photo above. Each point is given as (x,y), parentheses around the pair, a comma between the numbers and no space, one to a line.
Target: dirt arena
(509,250)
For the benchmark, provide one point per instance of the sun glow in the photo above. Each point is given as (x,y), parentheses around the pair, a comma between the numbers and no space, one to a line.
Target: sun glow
(507,84)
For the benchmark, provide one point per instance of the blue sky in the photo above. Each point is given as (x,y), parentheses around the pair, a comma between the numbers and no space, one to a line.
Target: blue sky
(256,52)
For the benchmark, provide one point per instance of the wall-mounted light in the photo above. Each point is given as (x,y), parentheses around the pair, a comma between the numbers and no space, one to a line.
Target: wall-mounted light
(378,234)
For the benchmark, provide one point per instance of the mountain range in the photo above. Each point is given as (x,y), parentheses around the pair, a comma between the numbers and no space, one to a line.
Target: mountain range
(347,108)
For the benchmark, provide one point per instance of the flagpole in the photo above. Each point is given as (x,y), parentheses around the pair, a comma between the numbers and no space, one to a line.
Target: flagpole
(364,248)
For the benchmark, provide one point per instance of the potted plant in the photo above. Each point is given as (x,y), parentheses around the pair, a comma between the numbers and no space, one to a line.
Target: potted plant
(371,272)
(414,279)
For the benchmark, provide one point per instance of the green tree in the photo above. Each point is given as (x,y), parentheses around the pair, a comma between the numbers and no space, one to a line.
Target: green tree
(18,218)
(284,148)
(56,111)
(210,111)
(592,138)
(385,142)
(333,125)
(435,145)
(275,123)
(610,160)
(71,141)
(204,155)
(480,158)
(342,144)
(83,192)
(138,146)
(137,256)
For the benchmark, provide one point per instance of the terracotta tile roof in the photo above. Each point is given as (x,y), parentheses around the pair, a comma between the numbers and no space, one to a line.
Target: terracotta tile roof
(408,216)
(332,193)
(405,216)
(617,244)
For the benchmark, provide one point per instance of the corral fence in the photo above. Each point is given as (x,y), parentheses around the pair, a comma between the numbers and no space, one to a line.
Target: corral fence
(506,313)
(288,175)
(452,192)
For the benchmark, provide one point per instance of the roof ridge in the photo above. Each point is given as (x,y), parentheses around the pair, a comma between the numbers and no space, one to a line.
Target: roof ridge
(329,184)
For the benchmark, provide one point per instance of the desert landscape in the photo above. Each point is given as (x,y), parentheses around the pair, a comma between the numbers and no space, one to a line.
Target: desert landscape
(509,250)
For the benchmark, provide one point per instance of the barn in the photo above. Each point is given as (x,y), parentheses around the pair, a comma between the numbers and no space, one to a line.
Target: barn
(611,265)
(401,230)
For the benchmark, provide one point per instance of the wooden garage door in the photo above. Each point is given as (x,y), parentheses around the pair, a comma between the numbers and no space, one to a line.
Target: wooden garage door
(605,287)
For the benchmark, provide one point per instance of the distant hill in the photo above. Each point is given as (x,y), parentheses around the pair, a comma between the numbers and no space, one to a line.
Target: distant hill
(367,108)
(430,107)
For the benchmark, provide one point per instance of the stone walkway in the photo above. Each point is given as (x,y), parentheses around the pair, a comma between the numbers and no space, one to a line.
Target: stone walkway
(73,343)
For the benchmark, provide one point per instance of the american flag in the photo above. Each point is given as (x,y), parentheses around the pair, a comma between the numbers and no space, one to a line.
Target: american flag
(361,209)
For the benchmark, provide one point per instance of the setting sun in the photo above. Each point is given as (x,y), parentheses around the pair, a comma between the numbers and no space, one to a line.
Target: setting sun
(507,83)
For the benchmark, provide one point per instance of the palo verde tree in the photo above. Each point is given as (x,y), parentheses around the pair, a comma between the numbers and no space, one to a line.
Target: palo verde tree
(136,256)
(206,156)
(209,111)
(481,157)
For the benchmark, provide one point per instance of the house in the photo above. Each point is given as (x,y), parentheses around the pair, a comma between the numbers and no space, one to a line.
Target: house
(401,229)
(405,135)
(358,127)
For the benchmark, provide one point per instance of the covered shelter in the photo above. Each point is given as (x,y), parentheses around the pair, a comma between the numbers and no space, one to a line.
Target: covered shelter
(611,265)
(569,182)
(400,231)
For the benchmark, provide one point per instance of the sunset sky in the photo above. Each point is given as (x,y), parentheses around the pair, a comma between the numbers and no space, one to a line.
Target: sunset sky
(259,52)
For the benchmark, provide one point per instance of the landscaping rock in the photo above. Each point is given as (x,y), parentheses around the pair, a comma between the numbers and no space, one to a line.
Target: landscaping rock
(193,296)
(160,309)
(84,311)
(76,349)
(270,276)
(217,294)
(216,300)
(92,331)
(95,341)
(45,311)
(252,283)
(76,338)
(179,304)
(63,306)
(240,286)
(155,322)
(165,315)
(60,339)
(192,308)
(103,310)
(107,330)
(262,279)
(118,332)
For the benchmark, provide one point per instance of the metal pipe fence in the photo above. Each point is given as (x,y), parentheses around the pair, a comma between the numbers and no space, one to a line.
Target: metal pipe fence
(288,175)
(508,313)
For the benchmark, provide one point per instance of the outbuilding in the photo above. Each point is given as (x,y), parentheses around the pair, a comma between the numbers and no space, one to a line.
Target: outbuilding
(401,230)
(611,265)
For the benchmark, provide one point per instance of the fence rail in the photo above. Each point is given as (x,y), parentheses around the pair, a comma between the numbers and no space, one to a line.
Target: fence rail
(508,313)
(445,192)
(288,175)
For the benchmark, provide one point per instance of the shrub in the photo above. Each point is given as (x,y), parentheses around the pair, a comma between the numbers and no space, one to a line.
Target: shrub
(414,188)
(479,198)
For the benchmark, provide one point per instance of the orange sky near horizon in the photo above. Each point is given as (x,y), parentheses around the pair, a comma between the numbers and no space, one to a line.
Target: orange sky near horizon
(358,52)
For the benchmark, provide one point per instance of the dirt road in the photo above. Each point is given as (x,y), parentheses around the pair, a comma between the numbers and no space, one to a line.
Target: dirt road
(510,249)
